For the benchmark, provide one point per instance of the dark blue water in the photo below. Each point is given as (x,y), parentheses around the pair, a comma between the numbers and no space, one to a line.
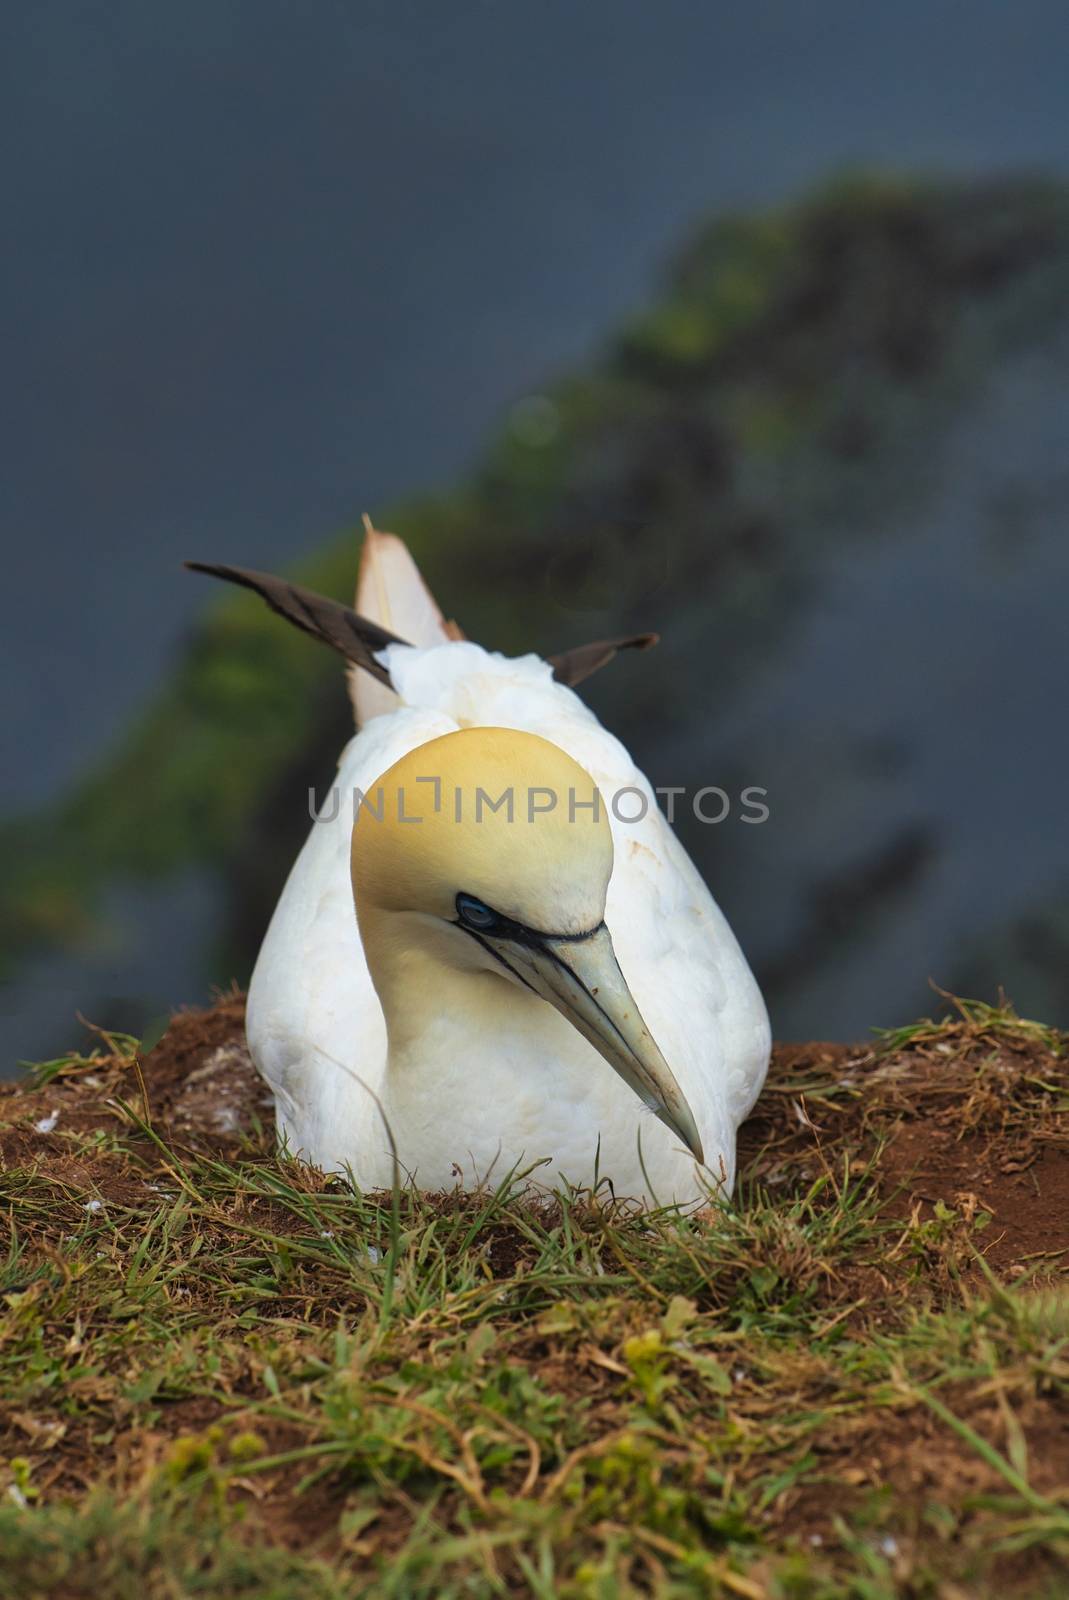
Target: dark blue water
(267,264)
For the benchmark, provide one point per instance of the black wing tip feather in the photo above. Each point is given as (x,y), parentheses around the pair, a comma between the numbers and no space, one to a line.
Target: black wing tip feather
(259,582)
(357,639)
(572,667)
(333,624)
(214,569)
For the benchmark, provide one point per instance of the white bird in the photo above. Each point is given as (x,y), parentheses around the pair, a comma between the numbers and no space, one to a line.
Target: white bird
(497,996)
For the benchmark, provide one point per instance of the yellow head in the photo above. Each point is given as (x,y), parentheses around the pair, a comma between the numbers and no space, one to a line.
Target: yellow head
(491,848)
(500,816)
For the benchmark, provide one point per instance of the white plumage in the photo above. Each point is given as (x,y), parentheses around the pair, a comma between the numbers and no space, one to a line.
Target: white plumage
(492,1076)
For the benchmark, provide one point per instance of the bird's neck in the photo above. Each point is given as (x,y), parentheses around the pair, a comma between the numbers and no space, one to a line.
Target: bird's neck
(427,1001)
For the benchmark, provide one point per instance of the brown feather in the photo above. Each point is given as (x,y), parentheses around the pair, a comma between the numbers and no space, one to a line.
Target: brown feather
(352,636)
(357,638)
(572,666)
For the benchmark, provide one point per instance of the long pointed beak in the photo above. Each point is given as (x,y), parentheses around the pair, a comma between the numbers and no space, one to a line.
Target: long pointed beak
(581,977)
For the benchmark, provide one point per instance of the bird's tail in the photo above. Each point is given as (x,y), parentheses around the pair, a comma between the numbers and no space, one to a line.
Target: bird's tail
(393,606)
(390,591)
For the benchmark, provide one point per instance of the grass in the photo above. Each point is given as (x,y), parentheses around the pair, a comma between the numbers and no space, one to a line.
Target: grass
(224,1373)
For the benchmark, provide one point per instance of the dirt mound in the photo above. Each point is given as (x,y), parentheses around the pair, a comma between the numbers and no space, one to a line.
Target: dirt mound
(954,1117)
(198,1085)
(853,1380)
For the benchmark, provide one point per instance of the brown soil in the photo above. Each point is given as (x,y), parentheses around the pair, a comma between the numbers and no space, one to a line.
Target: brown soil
(956,1121)
(949,1120)
(198,1086)
(911,1457)
(962,1127)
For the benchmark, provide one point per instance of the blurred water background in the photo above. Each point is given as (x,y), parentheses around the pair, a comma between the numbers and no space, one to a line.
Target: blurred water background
(270,265)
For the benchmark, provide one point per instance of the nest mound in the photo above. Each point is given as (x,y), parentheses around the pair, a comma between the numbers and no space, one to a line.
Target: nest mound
(225,1373)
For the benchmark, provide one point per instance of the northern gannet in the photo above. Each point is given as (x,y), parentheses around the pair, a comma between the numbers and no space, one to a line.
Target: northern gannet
(530,977)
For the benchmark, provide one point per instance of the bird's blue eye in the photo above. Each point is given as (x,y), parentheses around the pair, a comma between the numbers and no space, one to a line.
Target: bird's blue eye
(474,913)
